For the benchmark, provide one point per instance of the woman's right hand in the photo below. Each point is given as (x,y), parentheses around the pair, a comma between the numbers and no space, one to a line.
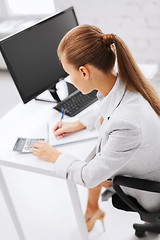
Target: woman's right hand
(67,128)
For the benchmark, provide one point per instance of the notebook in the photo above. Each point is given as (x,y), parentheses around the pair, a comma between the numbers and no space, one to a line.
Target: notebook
(82,135)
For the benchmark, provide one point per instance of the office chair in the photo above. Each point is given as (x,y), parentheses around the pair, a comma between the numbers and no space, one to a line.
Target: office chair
(131,204)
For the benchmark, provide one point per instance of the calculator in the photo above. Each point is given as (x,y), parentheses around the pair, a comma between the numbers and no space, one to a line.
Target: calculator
(25,145)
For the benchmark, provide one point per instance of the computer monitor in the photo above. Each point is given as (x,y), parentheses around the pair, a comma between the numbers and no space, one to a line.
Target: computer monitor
(31,55)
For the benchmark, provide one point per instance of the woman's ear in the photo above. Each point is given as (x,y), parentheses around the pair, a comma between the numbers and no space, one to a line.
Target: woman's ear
(84,71)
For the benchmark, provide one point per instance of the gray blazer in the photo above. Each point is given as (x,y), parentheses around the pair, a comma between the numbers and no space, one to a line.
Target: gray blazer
(128,144)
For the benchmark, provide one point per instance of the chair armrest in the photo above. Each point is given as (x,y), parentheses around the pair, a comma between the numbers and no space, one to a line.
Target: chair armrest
(140,184)
(127,182)
(137,183)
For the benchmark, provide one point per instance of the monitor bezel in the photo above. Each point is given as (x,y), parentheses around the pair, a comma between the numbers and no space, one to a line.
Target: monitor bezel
(9,66)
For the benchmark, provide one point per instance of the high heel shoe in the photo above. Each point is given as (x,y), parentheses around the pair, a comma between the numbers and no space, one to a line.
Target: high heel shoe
(98,215)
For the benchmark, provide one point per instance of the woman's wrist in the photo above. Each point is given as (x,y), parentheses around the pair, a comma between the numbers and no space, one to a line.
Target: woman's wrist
(79,126)
(55,156)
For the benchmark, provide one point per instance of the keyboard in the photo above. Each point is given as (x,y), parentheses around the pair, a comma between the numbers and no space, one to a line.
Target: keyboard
(76,102)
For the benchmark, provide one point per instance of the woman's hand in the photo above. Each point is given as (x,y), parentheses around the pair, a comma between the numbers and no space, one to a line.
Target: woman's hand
(45,151)
(67,128)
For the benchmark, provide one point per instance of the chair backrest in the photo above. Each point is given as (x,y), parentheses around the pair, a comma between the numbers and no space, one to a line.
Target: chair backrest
(140,184)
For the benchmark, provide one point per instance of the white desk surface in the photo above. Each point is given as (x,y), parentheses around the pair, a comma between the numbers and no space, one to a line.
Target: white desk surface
(30,120)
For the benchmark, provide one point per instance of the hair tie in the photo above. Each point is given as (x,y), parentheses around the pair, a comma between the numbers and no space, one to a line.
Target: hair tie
(108,39)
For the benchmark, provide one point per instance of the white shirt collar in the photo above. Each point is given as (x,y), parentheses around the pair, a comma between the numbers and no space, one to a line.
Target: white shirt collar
(113,99)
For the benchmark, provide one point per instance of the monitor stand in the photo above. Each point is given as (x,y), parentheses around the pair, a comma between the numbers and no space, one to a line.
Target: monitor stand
(57,93)
(54,94)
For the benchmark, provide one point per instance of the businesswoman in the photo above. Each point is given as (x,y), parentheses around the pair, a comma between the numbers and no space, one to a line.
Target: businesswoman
(128,118)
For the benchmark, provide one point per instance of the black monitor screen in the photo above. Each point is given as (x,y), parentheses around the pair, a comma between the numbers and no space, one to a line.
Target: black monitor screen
(31,55)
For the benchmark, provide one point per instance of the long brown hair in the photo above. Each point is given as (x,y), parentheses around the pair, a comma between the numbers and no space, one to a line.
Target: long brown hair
(88,45)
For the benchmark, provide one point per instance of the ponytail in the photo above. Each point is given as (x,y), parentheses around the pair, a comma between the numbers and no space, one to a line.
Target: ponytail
(131,74)
(88,45)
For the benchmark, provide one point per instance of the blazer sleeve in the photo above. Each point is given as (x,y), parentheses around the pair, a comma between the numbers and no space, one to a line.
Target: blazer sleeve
(123,142)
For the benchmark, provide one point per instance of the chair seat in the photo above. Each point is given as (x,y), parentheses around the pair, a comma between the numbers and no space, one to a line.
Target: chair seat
(118,203)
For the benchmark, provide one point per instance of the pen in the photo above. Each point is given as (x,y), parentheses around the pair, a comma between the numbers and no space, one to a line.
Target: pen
(62,116)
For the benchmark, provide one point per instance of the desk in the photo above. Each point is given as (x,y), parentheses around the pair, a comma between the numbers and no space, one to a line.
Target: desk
(24,120)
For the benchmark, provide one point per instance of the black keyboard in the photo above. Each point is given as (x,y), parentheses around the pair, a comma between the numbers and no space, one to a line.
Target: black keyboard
(76,102)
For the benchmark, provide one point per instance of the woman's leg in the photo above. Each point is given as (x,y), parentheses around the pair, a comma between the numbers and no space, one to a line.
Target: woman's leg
(92,204)
(93,197)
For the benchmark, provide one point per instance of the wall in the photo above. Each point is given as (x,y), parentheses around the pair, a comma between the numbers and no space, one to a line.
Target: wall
(136,21)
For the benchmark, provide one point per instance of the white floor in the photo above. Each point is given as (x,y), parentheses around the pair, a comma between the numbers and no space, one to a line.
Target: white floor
(43,203)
